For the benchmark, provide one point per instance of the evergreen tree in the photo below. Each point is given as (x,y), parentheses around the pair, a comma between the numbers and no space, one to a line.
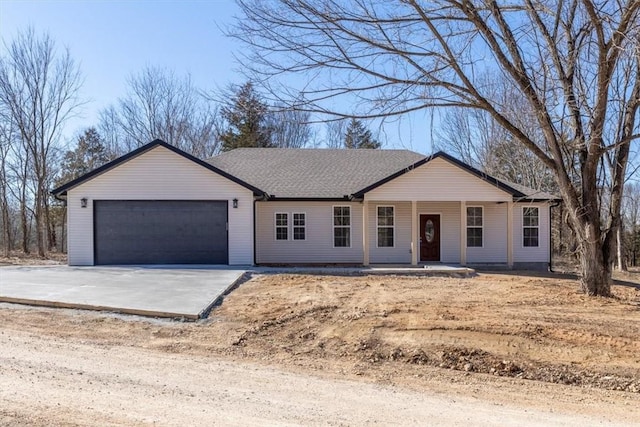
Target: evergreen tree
(247,120)
(89,154)
(358,136)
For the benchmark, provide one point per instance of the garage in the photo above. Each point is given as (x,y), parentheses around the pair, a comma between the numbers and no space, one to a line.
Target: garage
(160,232)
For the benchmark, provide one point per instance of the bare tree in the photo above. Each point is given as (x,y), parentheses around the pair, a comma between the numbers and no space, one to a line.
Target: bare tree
(290,128)
(476,138)
(7,139)
(39,91)
(334,133)
(160,104)
(576,63)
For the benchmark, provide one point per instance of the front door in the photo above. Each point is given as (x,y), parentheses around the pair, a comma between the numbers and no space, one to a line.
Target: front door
(429,237)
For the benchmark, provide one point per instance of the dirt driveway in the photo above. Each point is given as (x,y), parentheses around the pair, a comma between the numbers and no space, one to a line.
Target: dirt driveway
(45,382)
(329,350)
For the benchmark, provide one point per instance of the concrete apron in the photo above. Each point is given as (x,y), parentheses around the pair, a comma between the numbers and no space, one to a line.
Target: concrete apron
(180,292)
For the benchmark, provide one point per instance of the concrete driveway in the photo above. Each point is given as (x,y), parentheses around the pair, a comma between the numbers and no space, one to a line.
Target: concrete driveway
(159,291)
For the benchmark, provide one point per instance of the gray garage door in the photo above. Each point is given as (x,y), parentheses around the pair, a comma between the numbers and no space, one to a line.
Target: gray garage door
(160,232)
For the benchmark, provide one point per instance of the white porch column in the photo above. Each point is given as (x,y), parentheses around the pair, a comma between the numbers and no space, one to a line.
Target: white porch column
(414,233)
(463,233)
(365,232)
(510,234)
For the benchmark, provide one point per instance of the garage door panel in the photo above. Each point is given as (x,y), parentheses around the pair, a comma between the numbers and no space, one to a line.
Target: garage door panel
(160,232)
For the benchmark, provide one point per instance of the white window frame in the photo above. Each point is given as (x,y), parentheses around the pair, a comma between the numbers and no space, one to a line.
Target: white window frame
(294,226)
(333,235)
(276,226)
(530,226)
(378,226)
(466,217)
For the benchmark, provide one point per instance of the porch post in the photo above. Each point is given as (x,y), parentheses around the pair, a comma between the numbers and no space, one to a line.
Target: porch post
(463,233)
(365,232)
(510,234)
(414,233)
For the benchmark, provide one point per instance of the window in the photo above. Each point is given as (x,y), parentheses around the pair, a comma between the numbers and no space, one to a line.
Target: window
(282,226)
(385,226)
(299,226)
(530,227)
(341,226)
(474,226)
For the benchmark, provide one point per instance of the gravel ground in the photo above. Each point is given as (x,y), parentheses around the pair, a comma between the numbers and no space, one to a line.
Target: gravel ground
(49,382)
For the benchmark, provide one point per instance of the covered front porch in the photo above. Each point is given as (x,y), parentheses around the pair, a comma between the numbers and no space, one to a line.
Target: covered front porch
(443,232)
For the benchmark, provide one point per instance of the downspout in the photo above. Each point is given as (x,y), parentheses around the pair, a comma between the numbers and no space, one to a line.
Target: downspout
(254,231)
(551,206)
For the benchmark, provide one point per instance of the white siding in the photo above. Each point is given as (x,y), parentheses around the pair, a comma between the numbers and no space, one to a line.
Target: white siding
(159,174)
(438,180)
(494,238)
(449,228)
(541,253)
(318,246)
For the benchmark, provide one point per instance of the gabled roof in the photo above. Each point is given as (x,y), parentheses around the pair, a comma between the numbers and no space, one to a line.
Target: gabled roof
(313,174)
(62,190)
(290,173)
(440,154)
(338,174)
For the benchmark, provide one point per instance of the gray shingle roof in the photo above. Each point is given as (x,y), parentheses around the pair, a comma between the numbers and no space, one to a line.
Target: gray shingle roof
(313,173)
(325,173)
(530,192)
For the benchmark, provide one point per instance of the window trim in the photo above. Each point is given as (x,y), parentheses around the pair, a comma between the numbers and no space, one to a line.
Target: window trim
(378,227)
(467,226)
(529,226)
(294,226)
(276,226)
(333,226)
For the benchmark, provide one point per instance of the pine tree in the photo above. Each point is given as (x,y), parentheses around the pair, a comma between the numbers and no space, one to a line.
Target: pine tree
(246,116)
(358,136)
(89,154)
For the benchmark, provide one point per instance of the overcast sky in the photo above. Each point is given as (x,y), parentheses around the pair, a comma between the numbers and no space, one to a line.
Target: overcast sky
(113,39)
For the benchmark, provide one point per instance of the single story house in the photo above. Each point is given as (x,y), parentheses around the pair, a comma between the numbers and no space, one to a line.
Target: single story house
(160,205)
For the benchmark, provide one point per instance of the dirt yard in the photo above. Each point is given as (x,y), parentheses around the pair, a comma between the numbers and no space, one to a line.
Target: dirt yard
(485,337)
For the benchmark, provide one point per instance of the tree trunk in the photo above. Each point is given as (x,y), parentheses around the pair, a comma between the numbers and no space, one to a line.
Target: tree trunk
(621,264)
(40,227)
(52,241)
(595,269)
(6,227)
(24,223)
(6,224)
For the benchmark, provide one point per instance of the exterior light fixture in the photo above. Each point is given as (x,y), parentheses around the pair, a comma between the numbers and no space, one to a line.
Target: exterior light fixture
(83,202)
(235,203)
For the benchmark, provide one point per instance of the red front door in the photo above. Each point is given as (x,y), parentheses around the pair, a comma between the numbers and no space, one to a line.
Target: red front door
(429,237)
